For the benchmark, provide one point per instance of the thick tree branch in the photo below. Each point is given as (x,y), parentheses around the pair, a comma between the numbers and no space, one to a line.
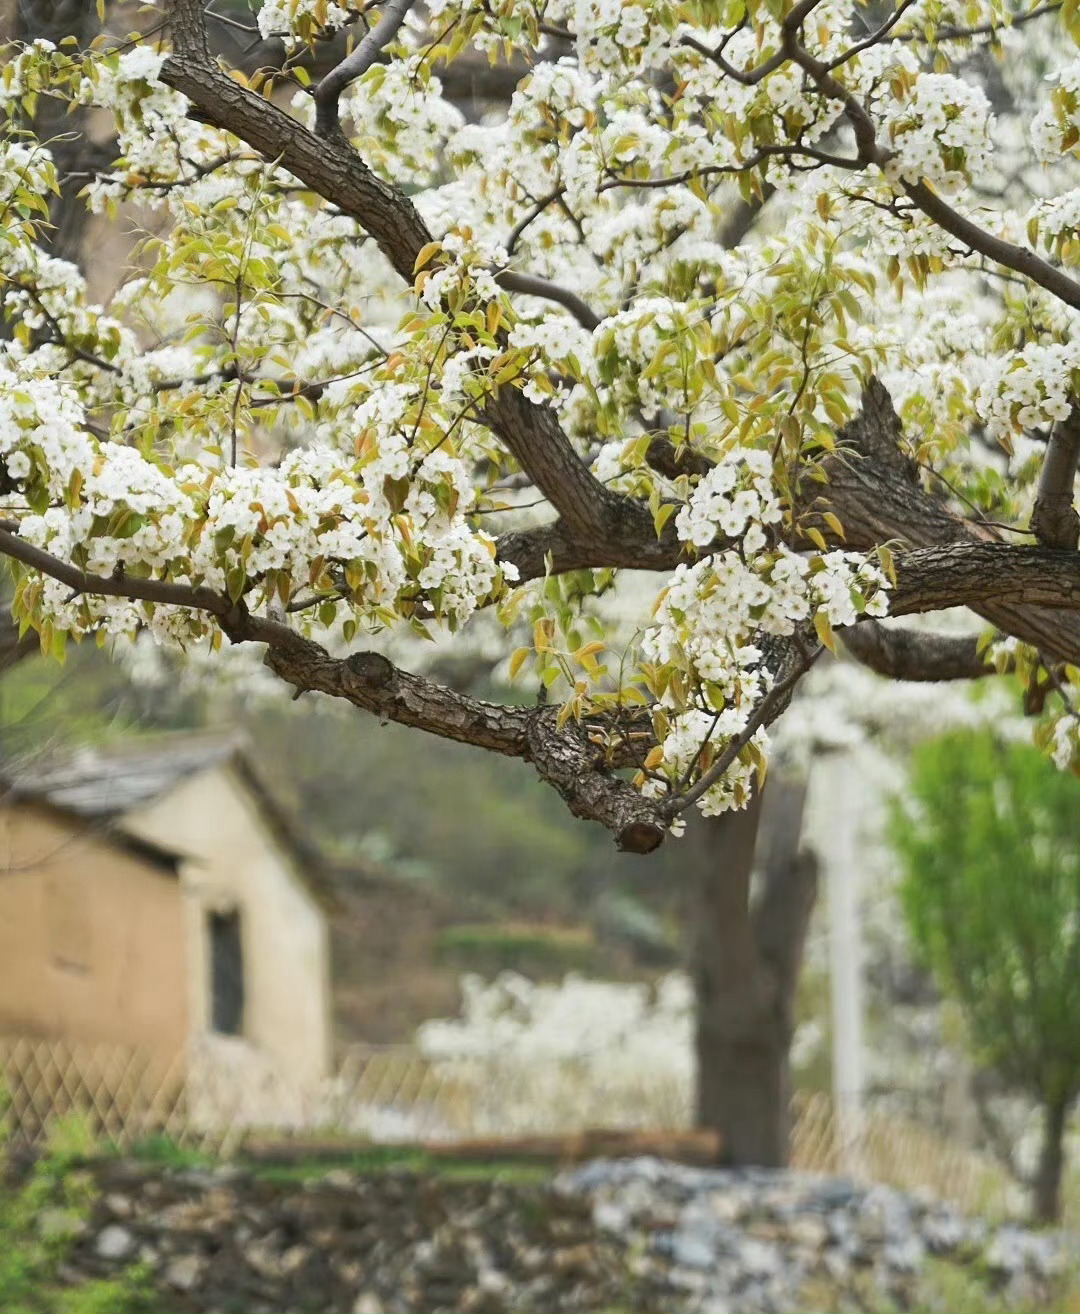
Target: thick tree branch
(1054,521)
(873,487)
(564,756)
(987,577)
(533,550)
(905,654)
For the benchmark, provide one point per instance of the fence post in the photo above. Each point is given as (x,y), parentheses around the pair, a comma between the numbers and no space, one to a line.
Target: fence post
(837,794)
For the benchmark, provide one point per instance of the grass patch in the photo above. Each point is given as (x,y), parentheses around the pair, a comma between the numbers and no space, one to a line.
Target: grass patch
(380,1160)
(365,1161)
(536,949)
(40,1220)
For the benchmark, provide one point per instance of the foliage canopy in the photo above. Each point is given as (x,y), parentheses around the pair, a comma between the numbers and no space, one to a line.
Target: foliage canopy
(992,898)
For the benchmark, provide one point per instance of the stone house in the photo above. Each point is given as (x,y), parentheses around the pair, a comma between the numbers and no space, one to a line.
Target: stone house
(154,896)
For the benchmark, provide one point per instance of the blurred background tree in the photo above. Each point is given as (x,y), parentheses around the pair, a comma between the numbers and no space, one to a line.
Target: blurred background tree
(991,894)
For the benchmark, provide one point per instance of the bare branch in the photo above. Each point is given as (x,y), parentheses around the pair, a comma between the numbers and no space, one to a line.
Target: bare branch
(905,654)
(1054,521)
(531,285)
(874,38)
(328,92)
(534,212)
(949,33)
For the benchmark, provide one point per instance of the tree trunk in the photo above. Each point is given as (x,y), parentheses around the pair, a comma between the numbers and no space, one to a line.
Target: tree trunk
(745,960)
(1046,1201)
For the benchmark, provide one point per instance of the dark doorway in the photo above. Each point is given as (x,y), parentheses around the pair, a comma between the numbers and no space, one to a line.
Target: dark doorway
(226,974)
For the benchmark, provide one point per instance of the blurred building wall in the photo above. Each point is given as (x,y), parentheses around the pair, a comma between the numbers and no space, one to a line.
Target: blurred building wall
(232,863)
(91,935)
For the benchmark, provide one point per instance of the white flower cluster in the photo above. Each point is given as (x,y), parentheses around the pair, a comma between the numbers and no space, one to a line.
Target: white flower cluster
(634,339)
(614,33)
(282,18)
(1055,216)
(682,746)
(1064,741)
(238,527)
(711,612)
(1055,129)
(570,1055)
(574,1019)
(403,121)
(736,499)
(1029,389)
(155,134)
(939,133)
(470,266)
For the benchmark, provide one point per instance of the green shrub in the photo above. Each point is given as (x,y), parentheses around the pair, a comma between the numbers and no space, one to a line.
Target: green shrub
(31,1254)
(991,848)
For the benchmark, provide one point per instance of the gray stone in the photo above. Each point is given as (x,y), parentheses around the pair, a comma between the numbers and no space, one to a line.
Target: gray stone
(809,1231)
(368,1303)
(114,1242)
(905,1256)
(943,1232)
(118,1205)
(760,1259)
(185,1272)
(693,1250)
(338,1179)
(610,1217)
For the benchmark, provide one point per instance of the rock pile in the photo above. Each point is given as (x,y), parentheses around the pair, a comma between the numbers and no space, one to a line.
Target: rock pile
(637,1234)
(762,1240)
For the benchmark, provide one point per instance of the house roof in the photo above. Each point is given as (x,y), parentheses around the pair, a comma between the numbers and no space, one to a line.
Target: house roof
(105,784)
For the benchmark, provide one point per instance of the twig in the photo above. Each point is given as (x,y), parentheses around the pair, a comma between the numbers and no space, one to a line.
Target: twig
(328,92)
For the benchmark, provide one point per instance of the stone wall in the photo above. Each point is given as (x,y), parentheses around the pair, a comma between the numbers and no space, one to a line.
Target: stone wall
(636,1234)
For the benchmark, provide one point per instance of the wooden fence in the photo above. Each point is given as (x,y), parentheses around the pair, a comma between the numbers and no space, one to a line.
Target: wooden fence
(209,1102)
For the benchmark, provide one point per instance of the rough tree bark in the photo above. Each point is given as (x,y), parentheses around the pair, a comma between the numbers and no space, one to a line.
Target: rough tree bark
(745,955)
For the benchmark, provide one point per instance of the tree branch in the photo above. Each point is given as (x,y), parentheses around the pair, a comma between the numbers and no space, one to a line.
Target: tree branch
(905,654)
(873,488)
(328,92)
(532,285)
(1054,521)
(986,577)
(110,586)
(1020,259)
(564,756)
